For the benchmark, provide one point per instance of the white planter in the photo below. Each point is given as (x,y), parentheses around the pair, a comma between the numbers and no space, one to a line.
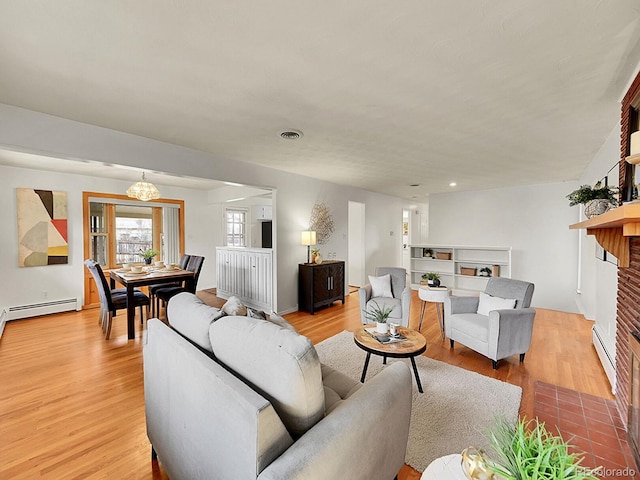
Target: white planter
(382,327)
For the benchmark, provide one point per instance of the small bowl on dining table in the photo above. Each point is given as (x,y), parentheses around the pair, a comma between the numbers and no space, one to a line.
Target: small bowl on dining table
(136,269)
(159,264)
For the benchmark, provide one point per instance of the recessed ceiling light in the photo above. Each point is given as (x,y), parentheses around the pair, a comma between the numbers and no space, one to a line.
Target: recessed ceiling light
(291,134)
(414,185)
(452,184)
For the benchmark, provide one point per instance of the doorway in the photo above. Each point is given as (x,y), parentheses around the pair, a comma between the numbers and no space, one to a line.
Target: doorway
(356,245)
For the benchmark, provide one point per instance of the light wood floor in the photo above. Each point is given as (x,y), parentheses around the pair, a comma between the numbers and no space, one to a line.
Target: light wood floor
(72,404)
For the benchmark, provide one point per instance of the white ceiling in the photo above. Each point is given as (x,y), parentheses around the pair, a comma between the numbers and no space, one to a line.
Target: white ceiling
(388,94)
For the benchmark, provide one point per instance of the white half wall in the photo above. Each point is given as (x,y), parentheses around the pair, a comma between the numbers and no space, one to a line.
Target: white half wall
(534,220)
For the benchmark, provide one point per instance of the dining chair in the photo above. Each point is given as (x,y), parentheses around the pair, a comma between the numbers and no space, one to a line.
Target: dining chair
(165,294)
(112,300)
(155,303)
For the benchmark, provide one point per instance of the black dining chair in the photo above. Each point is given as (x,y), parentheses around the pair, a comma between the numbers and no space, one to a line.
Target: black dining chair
(112,300)
(165,294)
(155,303)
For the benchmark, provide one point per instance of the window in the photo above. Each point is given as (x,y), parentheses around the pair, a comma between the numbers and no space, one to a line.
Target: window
(236,227)
(134,232)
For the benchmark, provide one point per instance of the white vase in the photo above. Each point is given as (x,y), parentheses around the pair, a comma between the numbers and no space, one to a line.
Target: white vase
(381,327)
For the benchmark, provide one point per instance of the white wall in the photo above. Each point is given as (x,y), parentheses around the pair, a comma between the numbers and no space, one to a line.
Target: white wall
(25,285)
(294,197)
(534,220)
(597,299)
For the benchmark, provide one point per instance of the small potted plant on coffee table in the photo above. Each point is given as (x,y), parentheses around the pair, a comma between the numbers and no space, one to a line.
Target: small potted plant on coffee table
(379,315)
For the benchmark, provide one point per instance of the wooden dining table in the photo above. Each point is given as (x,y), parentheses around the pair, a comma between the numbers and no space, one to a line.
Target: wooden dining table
(149,276)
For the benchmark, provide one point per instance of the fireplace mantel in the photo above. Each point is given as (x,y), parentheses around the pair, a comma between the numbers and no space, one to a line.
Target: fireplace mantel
(613,229)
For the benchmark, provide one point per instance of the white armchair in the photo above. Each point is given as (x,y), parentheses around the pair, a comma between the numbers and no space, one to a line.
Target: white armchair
(400,299)
(496,325)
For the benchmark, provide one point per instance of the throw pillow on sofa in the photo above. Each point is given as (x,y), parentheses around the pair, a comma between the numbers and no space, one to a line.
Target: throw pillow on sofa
(279,363)
(233,306)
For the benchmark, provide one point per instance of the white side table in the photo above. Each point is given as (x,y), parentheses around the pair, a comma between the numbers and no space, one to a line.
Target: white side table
(448,467)
(435,295)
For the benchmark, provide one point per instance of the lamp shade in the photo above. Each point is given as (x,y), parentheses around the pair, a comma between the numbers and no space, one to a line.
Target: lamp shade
(308,237)
(143,190)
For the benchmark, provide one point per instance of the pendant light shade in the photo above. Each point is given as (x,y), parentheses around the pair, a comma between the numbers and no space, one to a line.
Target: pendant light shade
(143,190)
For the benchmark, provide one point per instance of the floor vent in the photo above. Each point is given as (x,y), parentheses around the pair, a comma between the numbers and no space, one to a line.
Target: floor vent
(605,358)
(43,308)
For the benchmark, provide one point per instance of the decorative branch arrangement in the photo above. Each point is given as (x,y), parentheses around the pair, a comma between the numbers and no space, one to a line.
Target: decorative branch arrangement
(322,222)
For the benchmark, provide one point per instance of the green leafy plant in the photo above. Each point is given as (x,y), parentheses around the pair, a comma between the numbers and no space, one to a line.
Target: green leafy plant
(431,276)
(378,314)
(149,253)
(315,251)
(529,451)
(586,193)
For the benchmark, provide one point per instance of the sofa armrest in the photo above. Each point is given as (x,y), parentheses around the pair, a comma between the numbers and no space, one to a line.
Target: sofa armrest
(339,446)
(364,295)
(510,332)
(453,305)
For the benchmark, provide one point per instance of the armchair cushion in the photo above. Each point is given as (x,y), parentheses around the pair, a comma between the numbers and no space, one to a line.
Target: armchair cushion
(488,303)
(383,302)
(381,286)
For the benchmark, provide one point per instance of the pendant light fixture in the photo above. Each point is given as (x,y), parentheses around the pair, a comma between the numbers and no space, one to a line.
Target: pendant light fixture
(143,190)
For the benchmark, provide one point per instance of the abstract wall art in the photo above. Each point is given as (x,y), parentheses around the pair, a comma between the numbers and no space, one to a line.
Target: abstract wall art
(42,227)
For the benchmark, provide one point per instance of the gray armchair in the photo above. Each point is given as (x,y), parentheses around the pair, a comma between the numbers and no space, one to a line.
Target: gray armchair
(401,300)
(501,333)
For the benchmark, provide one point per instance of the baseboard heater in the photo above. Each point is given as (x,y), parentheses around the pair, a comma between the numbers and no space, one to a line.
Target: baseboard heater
(43,308)
(605,358)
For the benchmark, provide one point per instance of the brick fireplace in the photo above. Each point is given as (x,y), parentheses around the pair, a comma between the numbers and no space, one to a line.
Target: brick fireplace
(628,316)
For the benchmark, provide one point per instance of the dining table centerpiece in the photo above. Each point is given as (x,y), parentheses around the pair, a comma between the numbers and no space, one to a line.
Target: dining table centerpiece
(148,255)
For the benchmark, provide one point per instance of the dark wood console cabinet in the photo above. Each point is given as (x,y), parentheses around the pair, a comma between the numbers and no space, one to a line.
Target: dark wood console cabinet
(320,285)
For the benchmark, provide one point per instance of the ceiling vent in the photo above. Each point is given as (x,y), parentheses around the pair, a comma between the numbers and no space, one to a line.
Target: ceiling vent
(291,134)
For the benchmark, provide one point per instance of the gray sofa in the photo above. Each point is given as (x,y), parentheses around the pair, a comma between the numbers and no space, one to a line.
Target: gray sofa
(236,397)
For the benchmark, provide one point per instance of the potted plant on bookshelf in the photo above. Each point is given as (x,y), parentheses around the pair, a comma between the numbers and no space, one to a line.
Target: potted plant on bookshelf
(148,255)
(432,279)
(485,272)
(597,199)
(378,315)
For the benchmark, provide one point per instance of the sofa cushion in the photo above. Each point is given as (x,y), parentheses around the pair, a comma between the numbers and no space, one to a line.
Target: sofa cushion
(277,362)
(487,303)
(337,388)
(192,317)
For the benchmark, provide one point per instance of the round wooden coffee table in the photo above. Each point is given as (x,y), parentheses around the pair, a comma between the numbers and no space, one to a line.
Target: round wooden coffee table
(414,345)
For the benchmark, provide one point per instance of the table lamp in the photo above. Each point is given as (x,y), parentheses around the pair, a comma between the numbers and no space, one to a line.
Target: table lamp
(308,238)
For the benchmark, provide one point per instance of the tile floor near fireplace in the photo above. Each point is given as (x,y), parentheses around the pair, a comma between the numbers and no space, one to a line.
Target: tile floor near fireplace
(592,424)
